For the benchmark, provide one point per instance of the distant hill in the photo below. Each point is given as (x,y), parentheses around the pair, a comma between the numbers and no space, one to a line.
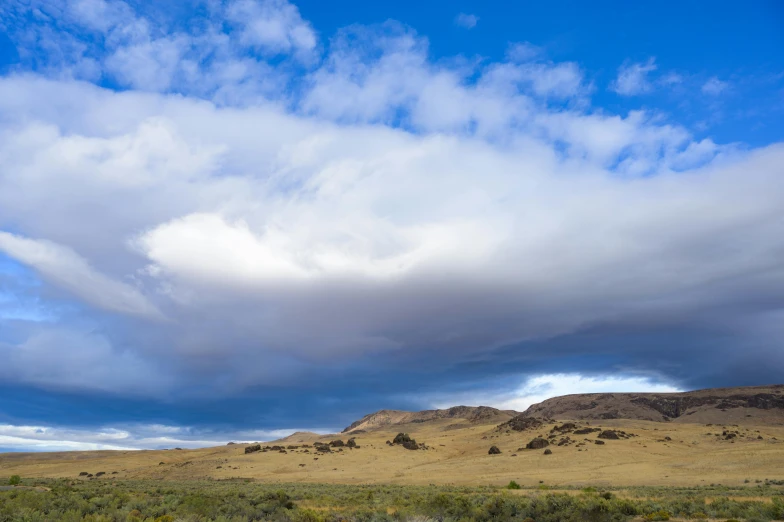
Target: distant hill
(470,414)
(759,404)
(741,405)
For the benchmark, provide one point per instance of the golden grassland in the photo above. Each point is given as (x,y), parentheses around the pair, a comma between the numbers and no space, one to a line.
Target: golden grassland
(457,455)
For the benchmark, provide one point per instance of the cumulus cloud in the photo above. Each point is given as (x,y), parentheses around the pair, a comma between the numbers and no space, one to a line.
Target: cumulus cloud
(274,26)
(466,21)
(632,78)
(223,56)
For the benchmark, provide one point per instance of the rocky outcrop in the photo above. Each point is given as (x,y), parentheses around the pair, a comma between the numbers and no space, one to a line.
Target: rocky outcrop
(521,423)
(764,403)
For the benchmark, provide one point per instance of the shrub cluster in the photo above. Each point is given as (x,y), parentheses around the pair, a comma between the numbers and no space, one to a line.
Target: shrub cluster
(242,501)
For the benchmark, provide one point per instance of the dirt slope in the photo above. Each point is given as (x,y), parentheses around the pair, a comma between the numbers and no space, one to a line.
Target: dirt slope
(758,405)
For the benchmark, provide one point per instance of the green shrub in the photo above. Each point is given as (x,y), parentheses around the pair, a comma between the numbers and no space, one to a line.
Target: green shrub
(15,480)
(513,485)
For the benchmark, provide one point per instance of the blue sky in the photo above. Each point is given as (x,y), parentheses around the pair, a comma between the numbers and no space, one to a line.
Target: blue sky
(230,220)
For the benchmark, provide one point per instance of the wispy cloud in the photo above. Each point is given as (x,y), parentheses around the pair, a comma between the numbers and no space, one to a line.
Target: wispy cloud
(633,79)
(714,86)
(466,21)
(65,268)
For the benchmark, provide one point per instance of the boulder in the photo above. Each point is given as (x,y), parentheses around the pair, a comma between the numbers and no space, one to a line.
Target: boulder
(537,443)
(494,450)
(400,438)
(609,434)
(251,449)
(600,442)
(548,451)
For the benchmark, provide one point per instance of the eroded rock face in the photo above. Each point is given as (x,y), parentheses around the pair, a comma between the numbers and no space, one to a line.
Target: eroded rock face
(677,406)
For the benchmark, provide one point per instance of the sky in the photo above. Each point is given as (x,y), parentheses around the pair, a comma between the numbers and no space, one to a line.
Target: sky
(230,220)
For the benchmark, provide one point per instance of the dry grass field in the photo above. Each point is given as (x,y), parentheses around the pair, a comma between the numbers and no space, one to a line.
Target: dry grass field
(457,454)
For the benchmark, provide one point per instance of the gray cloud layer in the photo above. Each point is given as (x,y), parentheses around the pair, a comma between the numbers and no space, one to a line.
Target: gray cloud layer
(220,246)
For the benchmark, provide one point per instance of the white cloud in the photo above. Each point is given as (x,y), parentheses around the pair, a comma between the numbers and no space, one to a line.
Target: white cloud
(273,26)
(523,52)
(63,267)
(108,39)
(466,21)
(714,86)
(633,78)
(128,437)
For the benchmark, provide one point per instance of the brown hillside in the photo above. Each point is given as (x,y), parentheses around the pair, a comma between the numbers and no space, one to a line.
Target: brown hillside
(470,414)
(759,405)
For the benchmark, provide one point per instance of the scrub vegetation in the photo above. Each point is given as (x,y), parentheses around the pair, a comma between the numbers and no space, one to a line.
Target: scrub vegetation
(245,500)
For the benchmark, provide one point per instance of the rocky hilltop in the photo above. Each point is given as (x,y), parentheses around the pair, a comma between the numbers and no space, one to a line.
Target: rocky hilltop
(760,404)
(470,414)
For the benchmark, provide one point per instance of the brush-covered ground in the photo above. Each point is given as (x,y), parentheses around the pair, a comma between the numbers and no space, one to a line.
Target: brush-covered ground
(245,500)
(659,454)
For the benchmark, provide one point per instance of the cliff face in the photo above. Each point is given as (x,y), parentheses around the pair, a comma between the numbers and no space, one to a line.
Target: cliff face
(762,404)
